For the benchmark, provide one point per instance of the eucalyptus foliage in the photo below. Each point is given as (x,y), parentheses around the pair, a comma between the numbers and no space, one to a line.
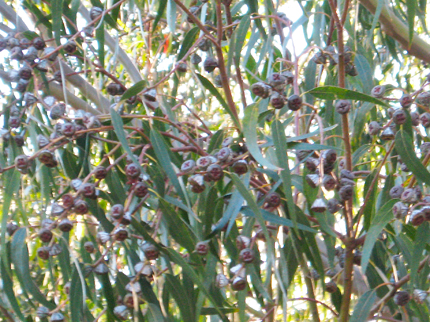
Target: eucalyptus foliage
(214,160)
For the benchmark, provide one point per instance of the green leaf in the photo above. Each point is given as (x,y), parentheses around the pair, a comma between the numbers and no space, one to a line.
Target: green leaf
(363,307)
(119,131)
(178,229)
(8,290)
(163,158)
(216,141)
(20,260)
(280,142)
(188,41)
(179,293)
(213,311)
(421,239)
(161,8)
(134,90)
(410,4)
(405,148)
(191,272)
(241,32)
(209,86)
(250,133)
(334,92)
(57,22)
(382,218)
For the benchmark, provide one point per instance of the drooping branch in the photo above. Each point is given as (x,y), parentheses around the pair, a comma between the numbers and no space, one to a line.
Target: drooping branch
(398,30)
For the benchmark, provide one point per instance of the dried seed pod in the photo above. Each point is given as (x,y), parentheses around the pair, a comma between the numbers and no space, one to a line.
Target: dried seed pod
(333,205)
(210,64)
(343,106)
(197,183)
(140,189)
(346,192)
(14,122)
(378,91)
(295,102)
(277,100)
(289,76)
(188,166)
(357,257)
(242,242)
(24,43)
(194,11)
(150,95)
(406,100)
(120,234)
(70,47)
(420,296)
(38,43)
(214,172)
(329,182)
(400,210)
(151,251)
(103,237)
(31,55)
(57,317)
(387,134)
(11,228)
(202,248)
(221,281)
(423,98)
(225,155)
(50,53)
(247,255)
(80,206)
(100,172)
(204,44)
(195,59)
(319,58)
(272,200)
(261,89)
(95,12)
(312,180)
(203,162)
(132,171)
(29,99)
(399,116)
(425,119)
(42,312)
(319,205)
(57,111)
(56,209)
(331,286)
(417,217)
(89,247)
(409,196)
(396,191)
(374,128)
(25,72)
(65,225)
(126,219)
(117,211)
(351,70)
(43,252)
(402,298)
(16,53)
(45,235)
(415,118)
(238,283)
(46,157)
(312,164)
(115,89)
(277,81)
(43,66)
(101,269)
(240,167)
(88,190)
(182,67)
(55,250)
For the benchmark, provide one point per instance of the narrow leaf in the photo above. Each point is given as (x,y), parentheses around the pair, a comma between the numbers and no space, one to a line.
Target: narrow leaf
(334,92)
(363,306)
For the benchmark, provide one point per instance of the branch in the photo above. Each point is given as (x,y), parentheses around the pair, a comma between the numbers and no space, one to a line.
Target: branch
(76,102)
(85,88)
(131,68)
(396,29)
(10,14)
